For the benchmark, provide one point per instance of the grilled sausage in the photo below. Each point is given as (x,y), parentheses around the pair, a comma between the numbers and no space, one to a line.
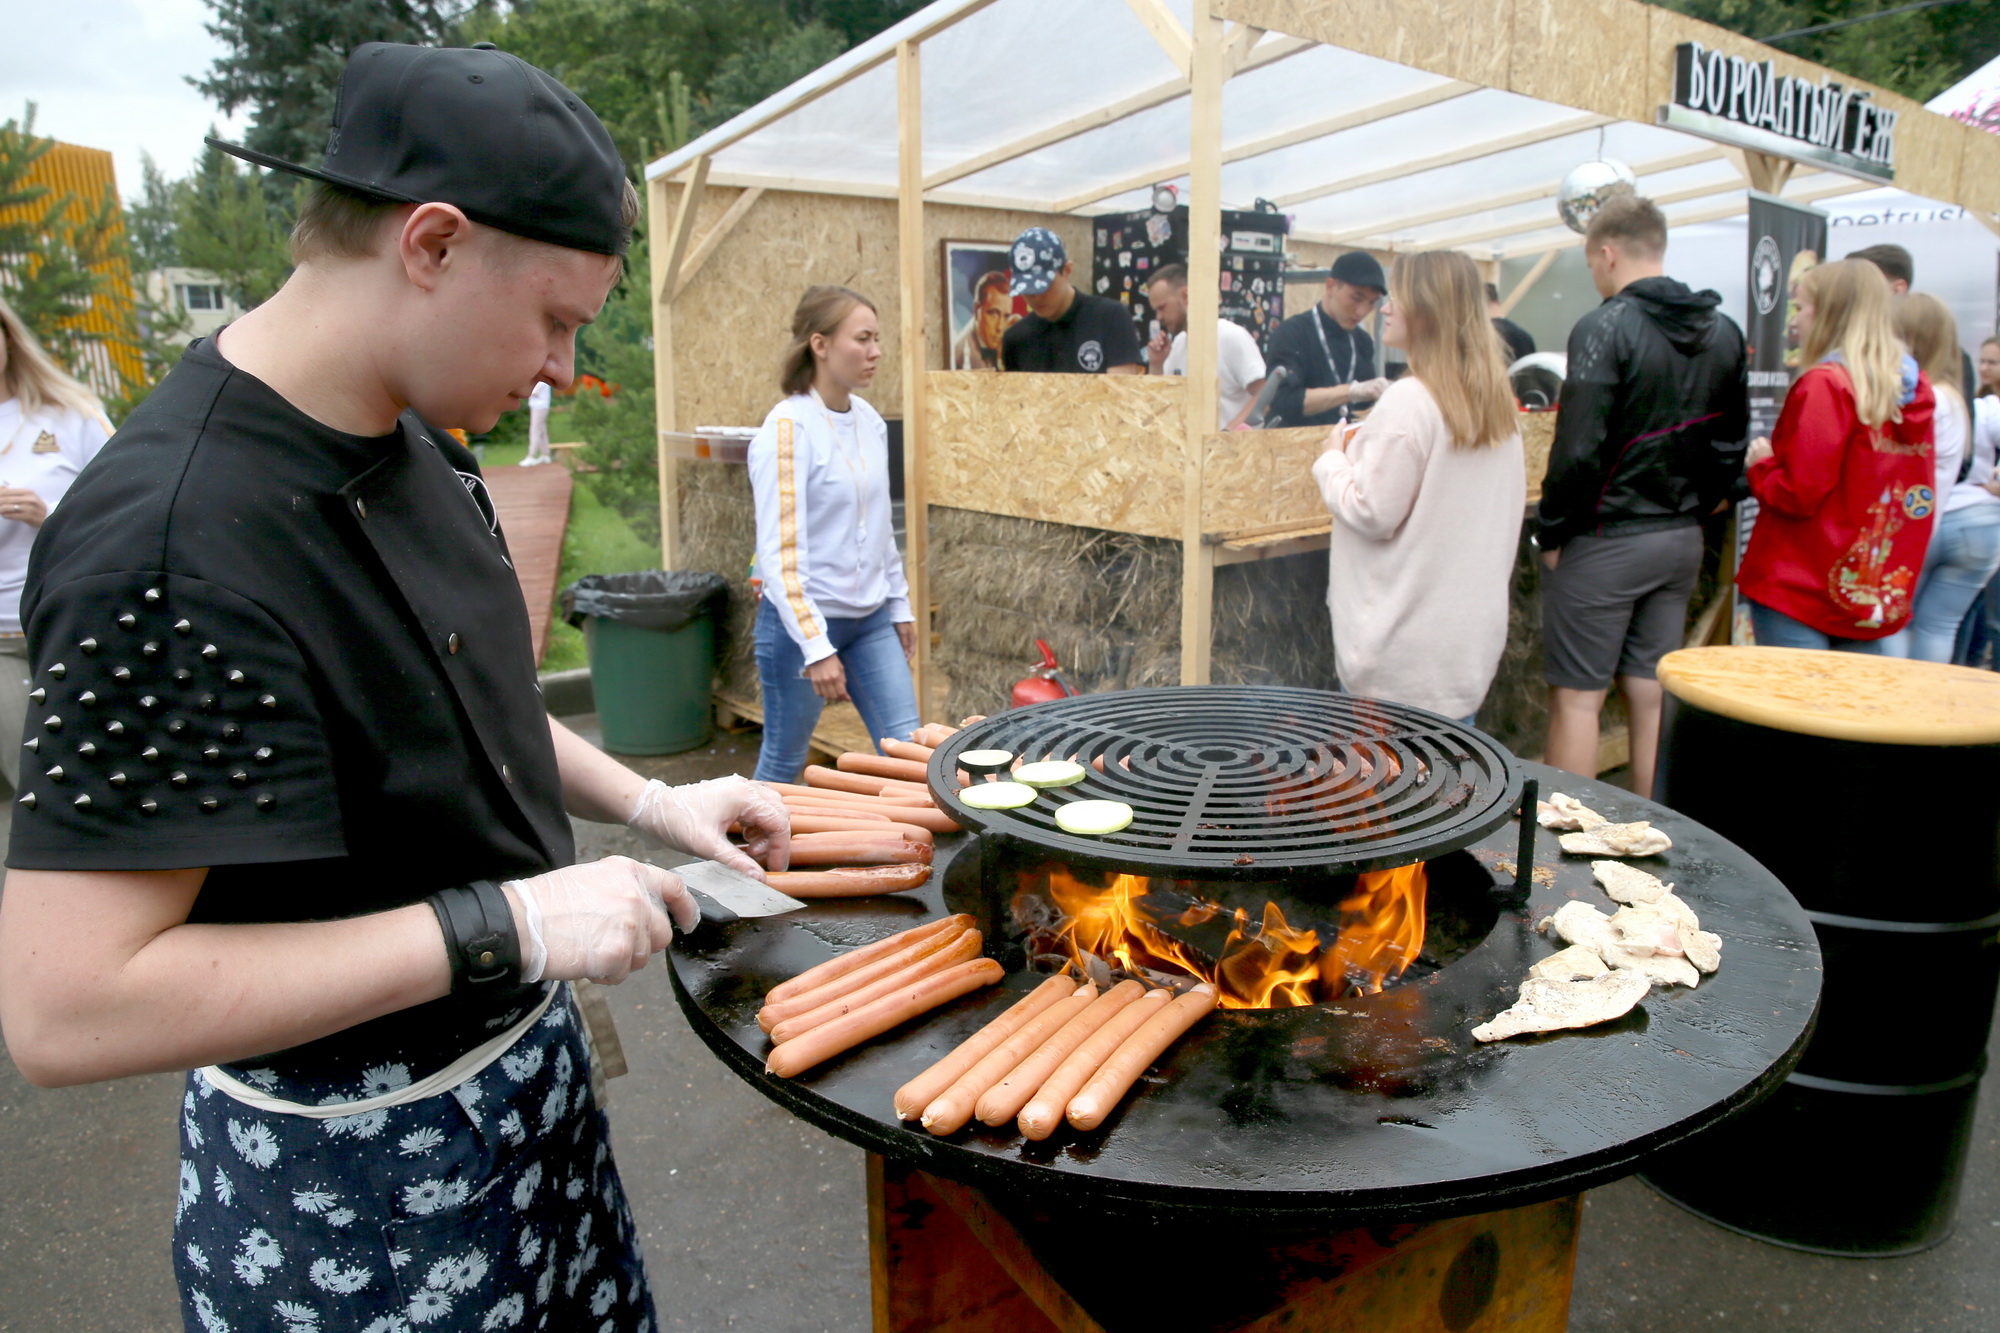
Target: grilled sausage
(963,949)
(919,1092)
(854,959)
(1108,1086)
(1004,1100)
(950,1109)
(870,1020)
(803,823)
(1044,1112)
(883,766)
(776,1011)
(847,849)
(849,881)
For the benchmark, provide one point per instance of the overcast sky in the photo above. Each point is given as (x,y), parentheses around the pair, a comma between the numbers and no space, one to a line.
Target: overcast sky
(111,74)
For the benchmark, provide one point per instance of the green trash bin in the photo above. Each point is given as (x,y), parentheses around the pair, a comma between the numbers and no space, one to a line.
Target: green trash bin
(651,637)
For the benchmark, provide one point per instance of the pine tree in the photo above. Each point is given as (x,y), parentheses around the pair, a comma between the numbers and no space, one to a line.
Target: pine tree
(223,222)
(56,249)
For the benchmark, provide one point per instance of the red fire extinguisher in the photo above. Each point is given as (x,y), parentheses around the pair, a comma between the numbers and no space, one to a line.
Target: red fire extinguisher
(1044,681)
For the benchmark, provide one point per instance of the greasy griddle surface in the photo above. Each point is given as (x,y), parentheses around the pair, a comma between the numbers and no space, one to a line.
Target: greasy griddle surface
(1388,1110)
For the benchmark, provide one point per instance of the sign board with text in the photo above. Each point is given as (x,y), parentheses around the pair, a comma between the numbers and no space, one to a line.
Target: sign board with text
(1748,104)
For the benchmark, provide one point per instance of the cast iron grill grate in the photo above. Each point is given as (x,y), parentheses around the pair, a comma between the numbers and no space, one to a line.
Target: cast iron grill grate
(1247,783)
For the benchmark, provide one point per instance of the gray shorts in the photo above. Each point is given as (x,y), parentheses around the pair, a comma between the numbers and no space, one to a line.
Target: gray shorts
(1614,606)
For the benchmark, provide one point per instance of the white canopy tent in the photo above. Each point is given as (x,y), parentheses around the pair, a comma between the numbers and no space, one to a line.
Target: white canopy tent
(1385,124)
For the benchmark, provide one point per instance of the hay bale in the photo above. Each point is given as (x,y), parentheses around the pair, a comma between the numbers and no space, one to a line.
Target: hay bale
(719,534)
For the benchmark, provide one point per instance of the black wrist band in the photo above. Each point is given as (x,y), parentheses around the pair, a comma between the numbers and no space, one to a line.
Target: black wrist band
(479,935)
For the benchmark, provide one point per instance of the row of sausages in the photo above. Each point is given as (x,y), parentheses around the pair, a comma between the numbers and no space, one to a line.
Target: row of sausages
(1064,1052)
(865,826)
(861,994)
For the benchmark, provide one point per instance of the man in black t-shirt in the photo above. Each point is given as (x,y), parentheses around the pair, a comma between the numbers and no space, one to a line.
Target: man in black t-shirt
(1067,332)
(1329,362)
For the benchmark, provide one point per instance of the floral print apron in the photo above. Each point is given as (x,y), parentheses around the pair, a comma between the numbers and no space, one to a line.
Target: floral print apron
(495,1205)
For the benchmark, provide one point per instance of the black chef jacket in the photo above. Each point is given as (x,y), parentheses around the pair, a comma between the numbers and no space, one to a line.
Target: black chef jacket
(296,656)
(1347,356)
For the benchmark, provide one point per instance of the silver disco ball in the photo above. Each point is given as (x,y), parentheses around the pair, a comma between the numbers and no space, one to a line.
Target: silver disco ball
(1585,190)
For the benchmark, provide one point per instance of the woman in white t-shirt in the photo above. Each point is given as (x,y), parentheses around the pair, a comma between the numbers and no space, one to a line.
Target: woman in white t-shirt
(1426,500)
(50,426)
(1965,543)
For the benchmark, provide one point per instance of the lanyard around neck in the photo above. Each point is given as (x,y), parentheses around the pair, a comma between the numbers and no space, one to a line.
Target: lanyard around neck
(1353,350)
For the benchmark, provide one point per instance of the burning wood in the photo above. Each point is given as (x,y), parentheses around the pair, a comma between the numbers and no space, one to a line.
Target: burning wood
(1139,928)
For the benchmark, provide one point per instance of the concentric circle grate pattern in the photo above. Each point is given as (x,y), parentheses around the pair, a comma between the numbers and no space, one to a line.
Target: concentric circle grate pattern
(1243,782)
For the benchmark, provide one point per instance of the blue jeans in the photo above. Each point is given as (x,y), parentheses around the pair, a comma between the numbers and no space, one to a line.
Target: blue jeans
(878,680)
(1774,629)
(1964,552)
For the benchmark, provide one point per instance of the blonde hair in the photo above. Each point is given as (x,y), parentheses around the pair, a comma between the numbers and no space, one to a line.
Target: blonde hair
(1851,305)
(33,377)
(1931,334)
(1453,347)
(820,311)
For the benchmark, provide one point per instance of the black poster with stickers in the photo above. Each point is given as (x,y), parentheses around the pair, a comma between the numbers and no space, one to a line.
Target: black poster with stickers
(1131,247)
(1785,240)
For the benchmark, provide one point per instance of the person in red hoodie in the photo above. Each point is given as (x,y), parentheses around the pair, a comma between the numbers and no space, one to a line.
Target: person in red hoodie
(1846,480)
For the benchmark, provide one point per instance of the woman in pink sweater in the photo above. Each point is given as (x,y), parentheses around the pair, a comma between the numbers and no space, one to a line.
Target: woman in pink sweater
(1427,497)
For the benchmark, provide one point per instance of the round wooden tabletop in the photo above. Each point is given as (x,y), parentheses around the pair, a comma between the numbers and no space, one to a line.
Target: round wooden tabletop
(1842,696)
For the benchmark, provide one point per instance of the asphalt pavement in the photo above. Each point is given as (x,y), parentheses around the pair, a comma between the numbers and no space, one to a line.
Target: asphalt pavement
(751,1220)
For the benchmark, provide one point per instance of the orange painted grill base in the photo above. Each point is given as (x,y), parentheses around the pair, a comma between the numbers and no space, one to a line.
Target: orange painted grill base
(943,1257)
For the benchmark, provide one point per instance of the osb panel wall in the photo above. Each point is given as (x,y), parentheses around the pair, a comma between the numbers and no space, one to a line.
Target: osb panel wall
(1254,478)
(1629,72)
(1538,436)
(1094,451)
(1461,39)
(1614,32)
(732,322)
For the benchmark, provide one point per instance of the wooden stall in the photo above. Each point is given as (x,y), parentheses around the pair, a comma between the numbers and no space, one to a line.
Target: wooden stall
(1438,123)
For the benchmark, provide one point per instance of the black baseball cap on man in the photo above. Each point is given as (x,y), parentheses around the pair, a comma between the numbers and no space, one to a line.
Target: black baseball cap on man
(1358,268)
(478,129)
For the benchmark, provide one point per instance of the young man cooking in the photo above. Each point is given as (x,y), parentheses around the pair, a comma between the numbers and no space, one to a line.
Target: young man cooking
(292,815)
(1328,358)
(1066,332)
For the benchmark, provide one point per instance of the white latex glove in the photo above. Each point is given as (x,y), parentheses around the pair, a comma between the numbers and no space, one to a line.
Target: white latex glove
(696,819)
(1368,391)
(600,921)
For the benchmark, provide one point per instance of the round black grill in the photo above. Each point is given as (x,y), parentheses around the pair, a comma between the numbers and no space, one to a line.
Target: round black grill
(1242,782)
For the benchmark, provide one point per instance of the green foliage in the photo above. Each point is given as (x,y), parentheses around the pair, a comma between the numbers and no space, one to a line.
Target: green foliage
(149,223)
(285,58)
(620,56)
(755,72)
(855,20)
(1918,55)
(621,430)
(223,221)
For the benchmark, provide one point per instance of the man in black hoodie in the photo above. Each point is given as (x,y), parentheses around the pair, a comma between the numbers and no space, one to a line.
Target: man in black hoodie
(1649,441)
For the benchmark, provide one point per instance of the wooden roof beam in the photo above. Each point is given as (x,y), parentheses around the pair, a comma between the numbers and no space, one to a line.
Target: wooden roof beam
(1158,95)
(1271,143)
(1471,152)
(1167,31)
(1381,231)
(1515,229)
(1838,185)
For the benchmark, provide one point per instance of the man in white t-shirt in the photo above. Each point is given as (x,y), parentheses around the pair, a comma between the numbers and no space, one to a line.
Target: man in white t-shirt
(1239,365)
(539,399)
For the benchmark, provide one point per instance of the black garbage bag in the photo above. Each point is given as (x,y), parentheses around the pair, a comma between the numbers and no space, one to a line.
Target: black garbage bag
(660,599)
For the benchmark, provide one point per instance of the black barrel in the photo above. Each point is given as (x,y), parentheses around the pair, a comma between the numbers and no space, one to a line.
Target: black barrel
(1871,787)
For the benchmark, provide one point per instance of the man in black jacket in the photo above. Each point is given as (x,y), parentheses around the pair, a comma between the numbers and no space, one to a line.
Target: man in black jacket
(1650,440)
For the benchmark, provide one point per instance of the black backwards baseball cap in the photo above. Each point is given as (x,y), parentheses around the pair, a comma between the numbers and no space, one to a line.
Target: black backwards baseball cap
(475,128)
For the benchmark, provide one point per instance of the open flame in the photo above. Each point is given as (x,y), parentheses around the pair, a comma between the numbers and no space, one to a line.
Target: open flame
(1263,964)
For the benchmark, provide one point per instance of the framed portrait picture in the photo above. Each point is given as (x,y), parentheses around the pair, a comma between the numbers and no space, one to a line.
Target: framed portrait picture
(977,308)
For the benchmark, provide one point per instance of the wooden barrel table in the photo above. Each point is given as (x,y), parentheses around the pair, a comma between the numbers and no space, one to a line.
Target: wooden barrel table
(1870,787)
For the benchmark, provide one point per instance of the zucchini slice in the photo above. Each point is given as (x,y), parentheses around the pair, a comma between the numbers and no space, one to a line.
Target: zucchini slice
(1050,773)
(996,795)
(1094,818)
